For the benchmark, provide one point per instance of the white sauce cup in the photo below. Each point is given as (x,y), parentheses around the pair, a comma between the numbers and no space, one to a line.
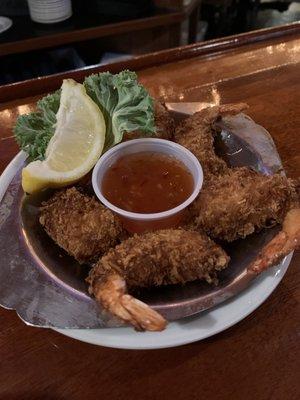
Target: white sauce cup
(138,222)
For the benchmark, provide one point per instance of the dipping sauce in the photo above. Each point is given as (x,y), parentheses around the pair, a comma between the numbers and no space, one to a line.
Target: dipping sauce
(147,182)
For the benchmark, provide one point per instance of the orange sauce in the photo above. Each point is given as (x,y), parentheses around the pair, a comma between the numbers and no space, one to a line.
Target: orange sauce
(147,182)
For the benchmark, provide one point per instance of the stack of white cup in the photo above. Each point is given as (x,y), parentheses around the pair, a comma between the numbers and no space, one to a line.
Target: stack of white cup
(50,11)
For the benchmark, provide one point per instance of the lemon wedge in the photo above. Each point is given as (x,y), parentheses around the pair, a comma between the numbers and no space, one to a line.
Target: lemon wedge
(75,146)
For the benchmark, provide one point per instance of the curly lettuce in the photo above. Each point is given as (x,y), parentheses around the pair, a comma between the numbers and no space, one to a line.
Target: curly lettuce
(34,131)
(125,104)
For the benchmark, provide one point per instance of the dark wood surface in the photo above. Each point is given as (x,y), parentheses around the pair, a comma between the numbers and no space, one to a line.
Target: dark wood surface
(259,358)
(27,35)
(202,49)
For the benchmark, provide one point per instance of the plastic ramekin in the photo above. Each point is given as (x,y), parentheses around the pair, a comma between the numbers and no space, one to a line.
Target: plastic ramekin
(138,222)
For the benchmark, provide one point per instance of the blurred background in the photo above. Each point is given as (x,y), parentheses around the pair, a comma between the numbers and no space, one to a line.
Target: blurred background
(39,37)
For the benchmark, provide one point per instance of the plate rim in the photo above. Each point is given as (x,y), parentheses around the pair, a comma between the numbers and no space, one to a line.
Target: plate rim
(152,342)
(178,332)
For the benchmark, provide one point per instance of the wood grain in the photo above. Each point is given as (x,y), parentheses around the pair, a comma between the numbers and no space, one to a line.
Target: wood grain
(202,49)
(259,358)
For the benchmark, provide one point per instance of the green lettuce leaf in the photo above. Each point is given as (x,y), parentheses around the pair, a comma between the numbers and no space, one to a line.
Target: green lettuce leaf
(125,104)
(34,131)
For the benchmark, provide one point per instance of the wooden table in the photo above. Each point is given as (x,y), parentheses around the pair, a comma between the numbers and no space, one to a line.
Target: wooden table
(257,359)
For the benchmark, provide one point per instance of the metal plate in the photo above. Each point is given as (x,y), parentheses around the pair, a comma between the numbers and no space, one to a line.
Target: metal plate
(46,286)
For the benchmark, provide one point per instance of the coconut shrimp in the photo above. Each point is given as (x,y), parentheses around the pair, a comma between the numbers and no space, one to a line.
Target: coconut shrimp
(234,205)
(158,258)
(80,224)
(196,133)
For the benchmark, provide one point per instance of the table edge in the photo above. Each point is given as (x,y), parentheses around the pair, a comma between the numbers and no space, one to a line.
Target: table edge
(41,85)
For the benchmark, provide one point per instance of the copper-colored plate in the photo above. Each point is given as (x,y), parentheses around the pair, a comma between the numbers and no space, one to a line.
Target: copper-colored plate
(46,286)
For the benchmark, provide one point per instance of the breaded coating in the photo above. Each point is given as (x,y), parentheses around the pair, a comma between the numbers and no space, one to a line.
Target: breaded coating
(153,259)
(164,122)
(80,224)
(196,133)
(241,202)
(161,258)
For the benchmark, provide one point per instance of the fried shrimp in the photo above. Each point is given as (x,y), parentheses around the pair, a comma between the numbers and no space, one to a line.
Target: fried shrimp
(241,202)
(153,259)
(80,224)
(164,122)
(196,133)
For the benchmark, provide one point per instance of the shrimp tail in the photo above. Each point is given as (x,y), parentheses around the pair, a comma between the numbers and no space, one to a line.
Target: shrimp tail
(287,240)
(232,109)
(112,295)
